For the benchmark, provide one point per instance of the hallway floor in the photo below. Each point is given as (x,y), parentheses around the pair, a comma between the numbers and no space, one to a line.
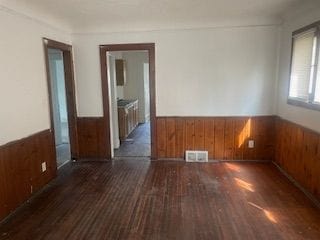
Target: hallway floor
(138,143)
(63,154)
(160,200)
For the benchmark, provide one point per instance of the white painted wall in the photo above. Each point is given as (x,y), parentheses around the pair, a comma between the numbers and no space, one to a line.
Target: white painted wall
(119,89)
(146,81)
(120,93)
(114,114)
(203,72)
(134,87)
(302,116)
(199,72)
(24,107)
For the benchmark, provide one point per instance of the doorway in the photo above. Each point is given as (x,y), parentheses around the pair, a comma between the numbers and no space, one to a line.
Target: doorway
(128,74)
(59,104)
(140,135)
(60,78)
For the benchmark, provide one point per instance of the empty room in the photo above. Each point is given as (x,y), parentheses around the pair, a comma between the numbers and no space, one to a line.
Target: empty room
(160,119)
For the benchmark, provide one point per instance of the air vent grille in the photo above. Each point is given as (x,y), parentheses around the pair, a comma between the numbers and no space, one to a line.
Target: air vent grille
(197,156)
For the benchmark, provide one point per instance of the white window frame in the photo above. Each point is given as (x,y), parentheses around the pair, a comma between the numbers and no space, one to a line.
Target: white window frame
(310,103)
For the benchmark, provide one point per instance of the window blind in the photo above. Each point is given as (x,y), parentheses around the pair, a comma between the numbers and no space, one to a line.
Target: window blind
(302,65)
(317,90)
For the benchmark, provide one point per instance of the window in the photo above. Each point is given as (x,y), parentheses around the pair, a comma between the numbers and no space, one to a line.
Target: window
(305,69)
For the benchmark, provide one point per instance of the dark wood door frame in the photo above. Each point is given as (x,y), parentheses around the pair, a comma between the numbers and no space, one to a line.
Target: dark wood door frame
(150,47)
(70,91)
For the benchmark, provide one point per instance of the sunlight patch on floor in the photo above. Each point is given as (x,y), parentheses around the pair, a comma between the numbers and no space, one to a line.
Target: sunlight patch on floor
(246,185)
(267,213)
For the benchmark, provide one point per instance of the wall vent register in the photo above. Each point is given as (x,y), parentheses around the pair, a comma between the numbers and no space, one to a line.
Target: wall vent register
(196,156)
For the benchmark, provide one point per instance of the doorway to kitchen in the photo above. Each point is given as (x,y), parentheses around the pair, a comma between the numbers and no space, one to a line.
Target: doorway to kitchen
(128,72)
(128,81)
(61,91)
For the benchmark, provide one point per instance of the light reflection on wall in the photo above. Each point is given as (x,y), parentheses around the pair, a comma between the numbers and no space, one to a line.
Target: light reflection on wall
(245,133)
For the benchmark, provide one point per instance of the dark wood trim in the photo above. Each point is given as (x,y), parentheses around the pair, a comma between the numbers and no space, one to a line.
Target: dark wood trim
(306,28)
(105,99)
(300,103)
(150,47)
(70,91)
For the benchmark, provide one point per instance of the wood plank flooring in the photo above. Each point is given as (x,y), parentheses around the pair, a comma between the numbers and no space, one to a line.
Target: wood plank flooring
(128,199)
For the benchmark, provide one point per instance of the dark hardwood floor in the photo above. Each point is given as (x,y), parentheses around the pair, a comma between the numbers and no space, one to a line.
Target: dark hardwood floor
(128,199)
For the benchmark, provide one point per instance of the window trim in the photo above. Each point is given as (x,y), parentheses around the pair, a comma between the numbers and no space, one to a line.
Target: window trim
(298,101)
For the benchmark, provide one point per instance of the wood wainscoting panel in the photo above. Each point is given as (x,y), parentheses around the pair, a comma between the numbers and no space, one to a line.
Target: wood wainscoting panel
(229,139)
(92,137)
(298,154)
(223,137)
(189,134)
(219,128)
(20,169)
(162,138)
(199,134)
(180,137)
(239,137)
(209,137)
(171,137)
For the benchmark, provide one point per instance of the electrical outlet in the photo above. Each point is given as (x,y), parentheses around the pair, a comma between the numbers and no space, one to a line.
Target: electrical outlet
(44,166)
(251,144)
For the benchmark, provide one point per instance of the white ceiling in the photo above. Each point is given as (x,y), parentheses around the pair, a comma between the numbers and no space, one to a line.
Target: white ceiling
(128,15)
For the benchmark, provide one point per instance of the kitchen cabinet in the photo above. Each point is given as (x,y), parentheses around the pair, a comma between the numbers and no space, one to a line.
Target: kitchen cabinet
(121,70)
(127,117)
